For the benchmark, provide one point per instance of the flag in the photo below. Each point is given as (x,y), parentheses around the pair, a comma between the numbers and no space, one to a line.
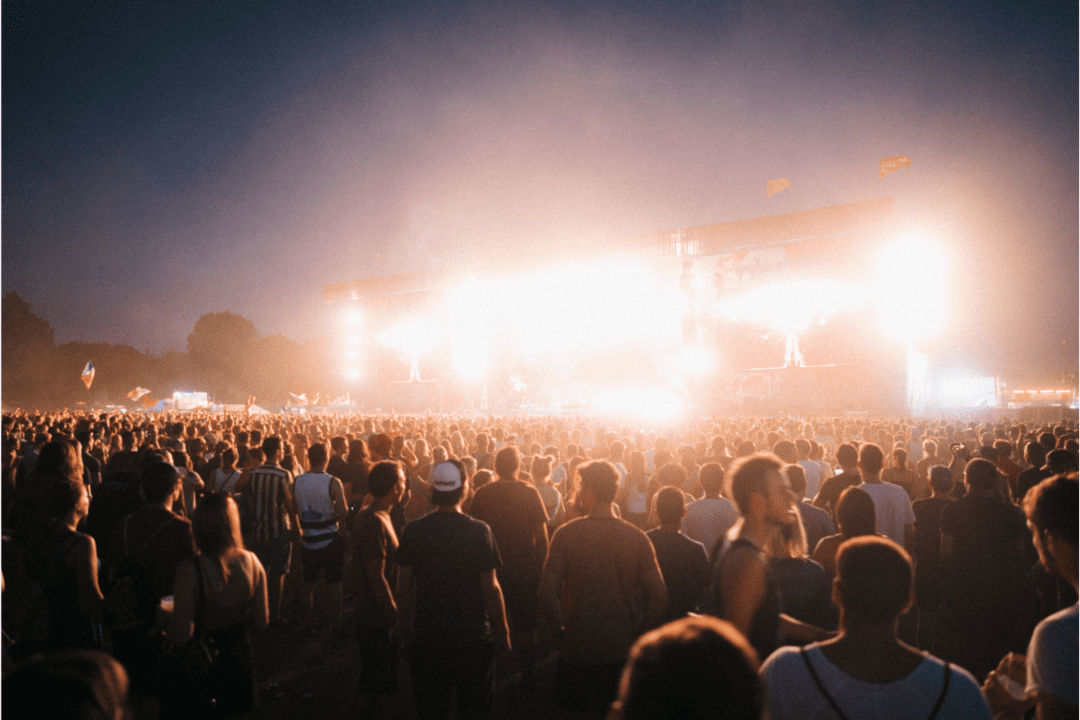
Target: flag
(138,393)
(778,185)
(300,399)
(88,375)
(888,165)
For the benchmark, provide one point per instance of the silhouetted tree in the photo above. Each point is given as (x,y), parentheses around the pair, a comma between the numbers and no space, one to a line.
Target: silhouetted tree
(29,355)
(220,348)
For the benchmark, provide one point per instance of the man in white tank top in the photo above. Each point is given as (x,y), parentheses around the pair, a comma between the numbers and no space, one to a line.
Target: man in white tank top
(321,507)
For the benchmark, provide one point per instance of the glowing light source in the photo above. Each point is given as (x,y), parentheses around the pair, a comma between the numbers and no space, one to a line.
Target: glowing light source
(910,290)
(695,360)
(352,373)
(352,318)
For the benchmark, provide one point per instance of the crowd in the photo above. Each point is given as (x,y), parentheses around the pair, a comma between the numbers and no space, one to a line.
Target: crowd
(708,567)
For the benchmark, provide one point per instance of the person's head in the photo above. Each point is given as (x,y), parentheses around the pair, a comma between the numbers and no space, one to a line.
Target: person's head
(873,581)
(847,455)
(60,457)
(358,452)
(83,684)
(386,477)
(317,455)
(980,475)
(380,446)
(871,460)
(228,459)
(899,457)
(855,513)
(696,668)
(672,474)
(600,479)
(1051,509)
(160,481)
(271,447)
(711,477)
(216,525)
(448,481)
(670,505)
(941,480)
(339,444)
(786,451)
(796,477)
(507,461)
(804,447)
(541,467)
(1057,461)
(481,478)
(756,478)
(929,448)
(65,497)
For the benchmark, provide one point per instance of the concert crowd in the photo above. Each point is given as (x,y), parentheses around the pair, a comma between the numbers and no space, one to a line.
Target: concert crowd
(586,565)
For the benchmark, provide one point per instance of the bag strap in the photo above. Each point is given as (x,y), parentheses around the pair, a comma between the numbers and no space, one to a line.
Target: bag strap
(821,686)
(944,692)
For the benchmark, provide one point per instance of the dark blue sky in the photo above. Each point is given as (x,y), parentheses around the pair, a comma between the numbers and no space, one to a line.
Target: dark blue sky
(165,160)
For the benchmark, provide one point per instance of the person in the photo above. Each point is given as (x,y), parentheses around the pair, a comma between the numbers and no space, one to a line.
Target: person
(903,473)
(515,513)
(158,540)
(268,494)
(633,496)
(598,569)
(802,583)
(816,522)
(684,563)
(847,456)
(856,516)
(64,562)
(709,518)
(981,544)
(219,594)
(448,562)
(813,470)
(695,668)
(892,507)
(321,508)
(376,545)
(741,588)
(866,670)
(926,551)
(76,684)
(1035,455)
(549,494)
(1049,671)
(226,477)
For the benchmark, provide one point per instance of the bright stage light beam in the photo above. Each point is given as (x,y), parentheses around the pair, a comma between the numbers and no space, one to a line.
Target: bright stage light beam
(910,290)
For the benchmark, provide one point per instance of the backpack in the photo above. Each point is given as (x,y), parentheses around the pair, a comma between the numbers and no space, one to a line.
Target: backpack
(130,599)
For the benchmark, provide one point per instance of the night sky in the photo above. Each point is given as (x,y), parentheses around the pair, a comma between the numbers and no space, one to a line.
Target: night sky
(165,160)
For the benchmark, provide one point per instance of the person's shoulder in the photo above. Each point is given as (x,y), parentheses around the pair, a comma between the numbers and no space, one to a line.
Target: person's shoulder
(1054,627)
(782,659)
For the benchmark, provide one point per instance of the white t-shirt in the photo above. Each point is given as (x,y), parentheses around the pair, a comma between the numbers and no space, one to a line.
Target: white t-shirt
(794,694)
(892,507)
(1052,656)
(708,519)
(813,476)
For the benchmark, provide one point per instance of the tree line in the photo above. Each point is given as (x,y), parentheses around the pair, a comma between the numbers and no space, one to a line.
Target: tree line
(225,357)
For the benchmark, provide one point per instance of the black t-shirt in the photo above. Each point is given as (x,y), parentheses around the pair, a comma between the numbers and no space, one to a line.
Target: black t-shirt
(928,530)
(829,492)
(375,540)
(448,552)
(1028,479)
(684,564)
(978,582)
(159,539)
(513,510)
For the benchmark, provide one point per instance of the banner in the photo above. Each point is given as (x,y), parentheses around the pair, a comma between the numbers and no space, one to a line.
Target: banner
(888,165)
(138,393)
(774,186)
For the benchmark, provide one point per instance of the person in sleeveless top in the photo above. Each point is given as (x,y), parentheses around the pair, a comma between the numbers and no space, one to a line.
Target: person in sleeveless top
(321,507)
(867,671)
(741,588)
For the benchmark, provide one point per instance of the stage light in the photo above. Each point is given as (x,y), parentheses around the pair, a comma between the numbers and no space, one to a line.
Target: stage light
(790,307)
(352,354)
(910,290)
(352,373)
(656,404)
(352,318)
(695,360)
(352,338)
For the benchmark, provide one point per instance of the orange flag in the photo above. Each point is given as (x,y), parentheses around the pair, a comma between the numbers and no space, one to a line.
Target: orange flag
(888,165)
(778,185)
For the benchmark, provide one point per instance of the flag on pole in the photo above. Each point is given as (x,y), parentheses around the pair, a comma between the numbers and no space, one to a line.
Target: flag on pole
(88,374)
(138,393)
(892,164)
(778,185)
(300,399)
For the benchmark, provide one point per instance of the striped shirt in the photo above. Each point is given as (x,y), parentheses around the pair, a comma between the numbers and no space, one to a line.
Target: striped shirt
(268,490)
